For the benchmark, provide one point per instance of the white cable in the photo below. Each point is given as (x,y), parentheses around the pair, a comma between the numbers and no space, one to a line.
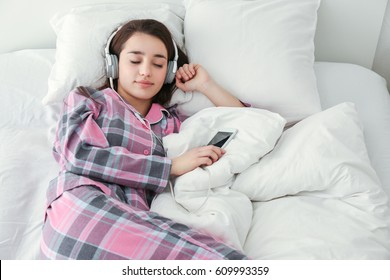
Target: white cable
(204,202)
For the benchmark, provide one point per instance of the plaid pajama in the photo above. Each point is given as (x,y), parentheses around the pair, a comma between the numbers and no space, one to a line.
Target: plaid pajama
(111,166)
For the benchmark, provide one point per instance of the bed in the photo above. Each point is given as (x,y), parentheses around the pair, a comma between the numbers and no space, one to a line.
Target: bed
(318,190)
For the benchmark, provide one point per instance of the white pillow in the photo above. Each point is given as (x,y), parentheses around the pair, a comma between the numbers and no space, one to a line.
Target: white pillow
(262,51)
(257,132)
(325,155)
(82,35)
(339,82)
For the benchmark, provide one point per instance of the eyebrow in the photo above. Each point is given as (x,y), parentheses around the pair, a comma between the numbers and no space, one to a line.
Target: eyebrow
(142,53)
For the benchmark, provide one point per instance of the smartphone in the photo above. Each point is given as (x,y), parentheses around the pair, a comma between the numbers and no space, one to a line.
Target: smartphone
(223,137)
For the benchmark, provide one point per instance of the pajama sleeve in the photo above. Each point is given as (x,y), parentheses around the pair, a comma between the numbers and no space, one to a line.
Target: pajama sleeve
(82,148)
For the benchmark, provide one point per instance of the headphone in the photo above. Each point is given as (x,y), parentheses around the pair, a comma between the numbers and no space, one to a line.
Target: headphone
(112,68)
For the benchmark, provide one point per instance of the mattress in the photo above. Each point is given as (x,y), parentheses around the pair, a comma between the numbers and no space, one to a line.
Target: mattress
(27,129)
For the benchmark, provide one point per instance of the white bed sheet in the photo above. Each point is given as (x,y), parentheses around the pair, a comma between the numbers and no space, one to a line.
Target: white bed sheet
(26,162)
(342,82)
(26,129)
(283,228)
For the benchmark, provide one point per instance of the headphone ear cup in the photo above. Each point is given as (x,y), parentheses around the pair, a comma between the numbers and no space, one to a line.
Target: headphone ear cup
(115,67)
(112,66)
(171,72)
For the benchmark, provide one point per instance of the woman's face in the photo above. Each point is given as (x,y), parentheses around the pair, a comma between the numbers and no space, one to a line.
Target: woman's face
(142,68)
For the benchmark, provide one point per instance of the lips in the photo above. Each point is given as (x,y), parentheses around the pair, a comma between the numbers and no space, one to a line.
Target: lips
(144,83)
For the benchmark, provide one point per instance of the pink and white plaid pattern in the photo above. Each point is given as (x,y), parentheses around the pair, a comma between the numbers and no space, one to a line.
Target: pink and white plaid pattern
(111,166)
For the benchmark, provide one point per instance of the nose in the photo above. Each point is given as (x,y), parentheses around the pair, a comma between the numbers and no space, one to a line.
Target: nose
(145,69)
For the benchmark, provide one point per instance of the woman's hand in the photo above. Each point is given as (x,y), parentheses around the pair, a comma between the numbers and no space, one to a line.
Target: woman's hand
(193,77)
(201,156)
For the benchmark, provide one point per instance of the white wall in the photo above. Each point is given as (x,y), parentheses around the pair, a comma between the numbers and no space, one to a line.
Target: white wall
(348,29)
(382,55)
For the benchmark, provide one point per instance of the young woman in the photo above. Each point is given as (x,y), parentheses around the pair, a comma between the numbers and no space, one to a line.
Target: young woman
(112,162)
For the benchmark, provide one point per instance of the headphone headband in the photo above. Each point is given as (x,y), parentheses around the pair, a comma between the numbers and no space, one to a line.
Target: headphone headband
(112,61)
(107,48)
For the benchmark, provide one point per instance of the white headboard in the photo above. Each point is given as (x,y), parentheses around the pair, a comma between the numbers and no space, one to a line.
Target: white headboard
(348,30)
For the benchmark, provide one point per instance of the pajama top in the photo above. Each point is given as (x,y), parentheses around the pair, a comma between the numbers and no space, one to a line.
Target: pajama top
(102,141)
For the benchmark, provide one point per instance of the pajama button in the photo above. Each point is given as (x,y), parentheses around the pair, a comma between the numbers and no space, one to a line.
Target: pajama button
(146,152)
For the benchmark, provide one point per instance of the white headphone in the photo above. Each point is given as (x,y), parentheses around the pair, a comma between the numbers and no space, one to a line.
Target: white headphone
(112,69)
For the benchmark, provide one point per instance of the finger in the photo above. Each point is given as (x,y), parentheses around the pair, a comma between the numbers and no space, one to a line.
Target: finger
(188,70)
(181,85)
(183,74)
(205,161)
(214,155)
(216,149)
(196,67)
(191,68)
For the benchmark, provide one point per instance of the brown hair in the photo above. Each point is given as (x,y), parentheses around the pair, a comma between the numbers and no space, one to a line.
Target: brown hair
(156,29)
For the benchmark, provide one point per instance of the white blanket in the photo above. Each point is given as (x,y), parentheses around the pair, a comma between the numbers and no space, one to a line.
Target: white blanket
(314,192)
(203,198)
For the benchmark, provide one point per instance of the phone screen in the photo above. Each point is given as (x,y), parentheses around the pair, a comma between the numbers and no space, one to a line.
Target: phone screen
(220,139)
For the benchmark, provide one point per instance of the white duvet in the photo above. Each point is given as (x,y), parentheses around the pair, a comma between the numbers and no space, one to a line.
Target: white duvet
(314,192)
(203,198)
